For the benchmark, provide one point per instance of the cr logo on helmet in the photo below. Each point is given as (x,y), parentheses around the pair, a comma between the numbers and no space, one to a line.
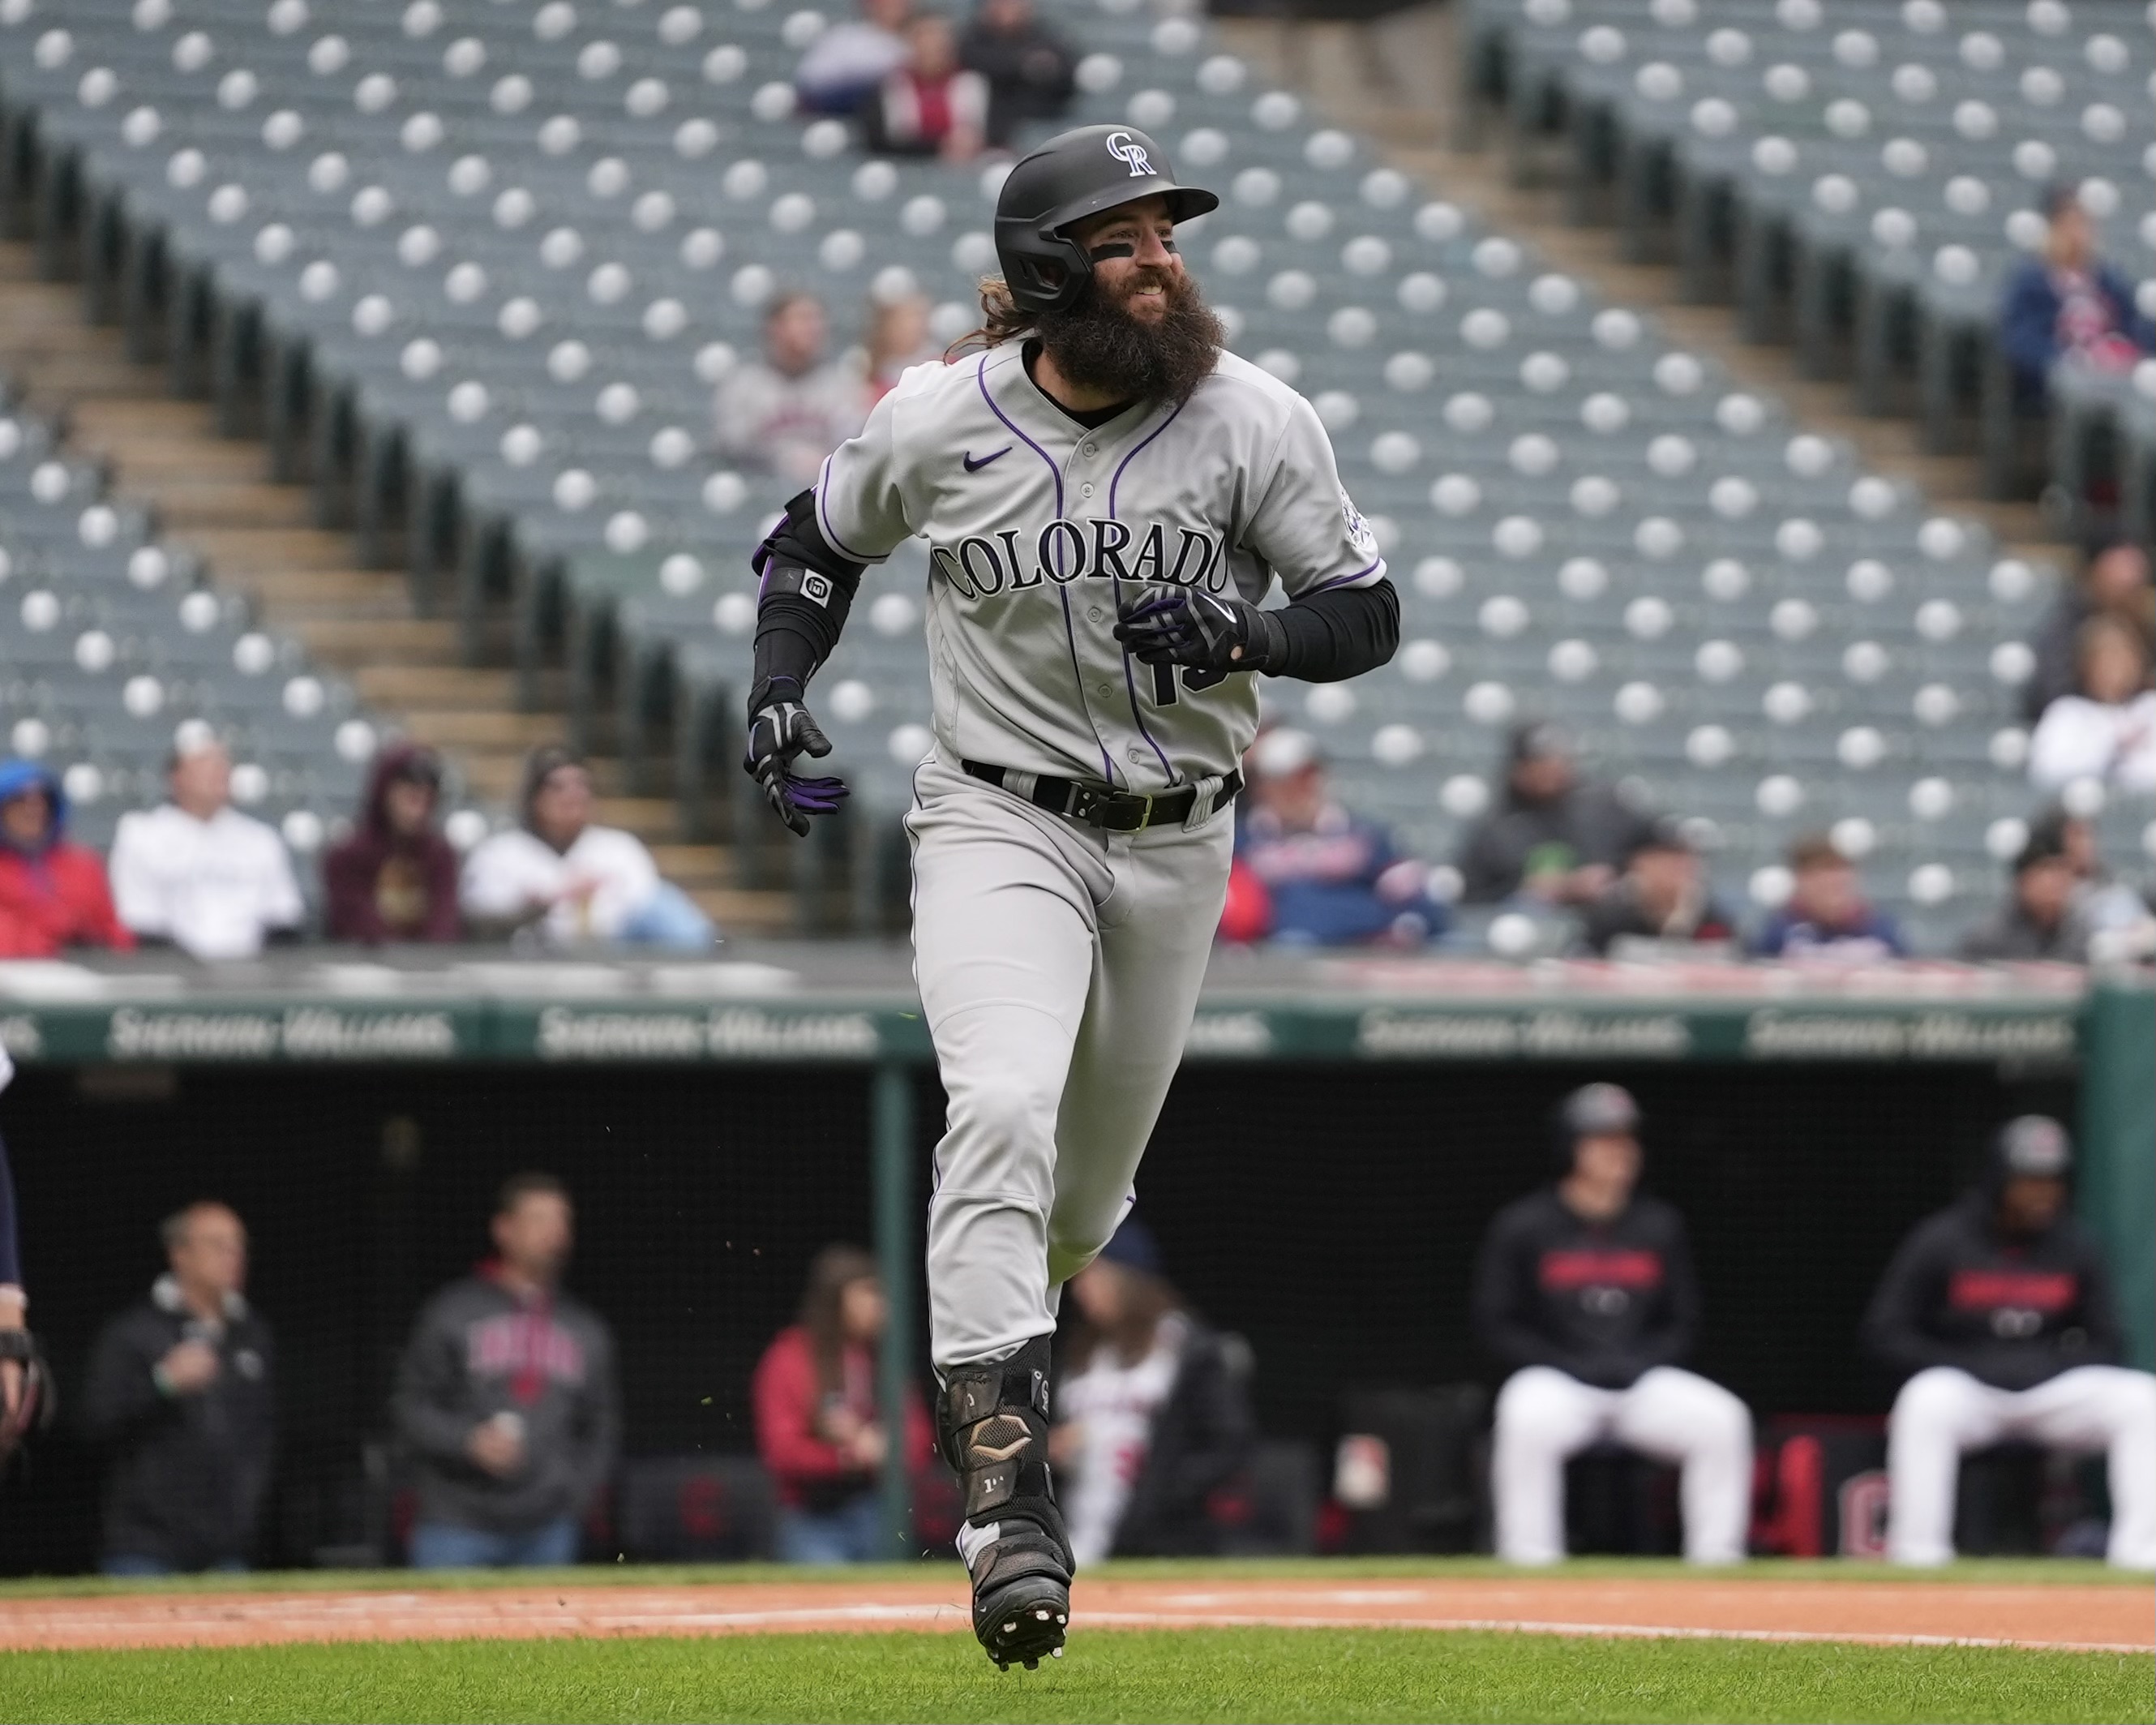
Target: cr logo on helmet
(1127,149)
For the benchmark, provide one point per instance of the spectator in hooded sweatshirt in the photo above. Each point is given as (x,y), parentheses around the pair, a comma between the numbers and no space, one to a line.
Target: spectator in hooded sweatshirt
(181,1392)
(571,879)
(1826,916)
(1031,70)
(1998,1314)
(930,105)
(818,1426)
(1316,875)
(53,894)
(1554,836)
(847,61)
(395,878)
(507,1398)
(196,873)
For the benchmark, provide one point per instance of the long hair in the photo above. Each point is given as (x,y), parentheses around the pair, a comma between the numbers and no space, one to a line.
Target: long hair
(831,1271)
(1001,320)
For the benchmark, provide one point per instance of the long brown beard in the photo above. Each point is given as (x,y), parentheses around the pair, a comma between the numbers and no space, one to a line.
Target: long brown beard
(1098,345)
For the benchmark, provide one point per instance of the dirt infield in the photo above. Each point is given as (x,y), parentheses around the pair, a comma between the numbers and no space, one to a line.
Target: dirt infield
(1907,1613)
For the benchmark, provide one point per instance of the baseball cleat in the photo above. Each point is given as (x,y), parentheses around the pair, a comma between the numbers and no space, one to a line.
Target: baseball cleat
(1023,1620)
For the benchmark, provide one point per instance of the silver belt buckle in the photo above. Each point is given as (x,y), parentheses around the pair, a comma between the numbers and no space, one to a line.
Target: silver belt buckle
(1145,819)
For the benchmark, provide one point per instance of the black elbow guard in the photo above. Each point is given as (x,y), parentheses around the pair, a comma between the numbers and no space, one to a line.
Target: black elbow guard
(806,589)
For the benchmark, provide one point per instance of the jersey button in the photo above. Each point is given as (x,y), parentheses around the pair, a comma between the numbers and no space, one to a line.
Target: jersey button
(1084,491)
(1104,690)
(1092,449)
(1094,613)
(1136,754)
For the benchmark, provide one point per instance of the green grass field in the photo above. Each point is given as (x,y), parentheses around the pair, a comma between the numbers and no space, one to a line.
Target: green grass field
(1232,1674)
(1226,1674)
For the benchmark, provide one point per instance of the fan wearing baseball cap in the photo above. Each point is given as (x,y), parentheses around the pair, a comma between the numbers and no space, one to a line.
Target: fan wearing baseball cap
(1999,1315)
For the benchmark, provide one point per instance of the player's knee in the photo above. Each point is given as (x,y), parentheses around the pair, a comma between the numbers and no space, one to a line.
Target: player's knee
(1531,1399)
(1005,1112)
(1724,1422)
(1934,1394)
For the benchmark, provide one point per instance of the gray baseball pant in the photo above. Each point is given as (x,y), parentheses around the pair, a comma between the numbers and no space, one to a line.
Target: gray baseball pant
(1059,967)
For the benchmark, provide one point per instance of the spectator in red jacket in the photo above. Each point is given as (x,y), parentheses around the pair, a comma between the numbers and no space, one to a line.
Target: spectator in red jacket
(395,878)
(52,894)
(818,1427)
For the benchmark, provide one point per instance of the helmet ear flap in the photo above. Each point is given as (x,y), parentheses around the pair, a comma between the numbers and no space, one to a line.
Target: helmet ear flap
(1044,272)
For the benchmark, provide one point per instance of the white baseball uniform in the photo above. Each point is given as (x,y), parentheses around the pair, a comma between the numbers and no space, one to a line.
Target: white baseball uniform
(1545,1417)
(1943,1411)
(1059,964)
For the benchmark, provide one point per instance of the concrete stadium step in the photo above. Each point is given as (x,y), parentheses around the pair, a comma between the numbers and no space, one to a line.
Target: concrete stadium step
(213,495)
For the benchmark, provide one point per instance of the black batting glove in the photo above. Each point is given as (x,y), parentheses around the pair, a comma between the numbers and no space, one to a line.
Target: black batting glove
(781,730)
(1208,632)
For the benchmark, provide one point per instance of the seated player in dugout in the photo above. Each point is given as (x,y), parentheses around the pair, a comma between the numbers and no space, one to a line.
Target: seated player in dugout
(1108,496)
(1585,1289)
(1998,1314)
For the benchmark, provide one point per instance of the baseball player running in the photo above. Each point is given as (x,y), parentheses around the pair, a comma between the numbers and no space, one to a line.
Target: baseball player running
(1107,496)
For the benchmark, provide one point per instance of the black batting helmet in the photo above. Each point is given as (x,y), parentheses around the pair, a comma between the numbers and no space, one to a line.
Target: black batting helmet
(1067,179)
(1589,1111)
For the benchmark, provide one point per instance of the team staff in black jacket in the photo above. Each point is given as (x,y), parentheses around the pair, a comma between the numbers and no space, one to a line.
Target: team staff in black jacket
(182,1391)
(1585,1289)
(1999,1313)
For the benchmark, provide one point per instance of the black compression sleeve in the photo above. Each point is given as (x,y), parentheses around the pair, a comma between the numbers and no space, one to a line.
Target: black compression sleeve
(1329,637)
(808,588)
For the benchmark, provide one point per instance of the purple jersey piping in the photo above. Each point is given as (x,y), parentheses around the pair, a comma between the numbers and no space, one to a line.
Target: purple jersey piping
(1062,591)
(1343,580)
(1130,682)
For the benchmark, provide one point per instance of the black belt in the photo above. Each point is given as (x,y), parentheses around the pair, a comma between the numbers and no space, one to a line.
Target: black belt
(1096,805)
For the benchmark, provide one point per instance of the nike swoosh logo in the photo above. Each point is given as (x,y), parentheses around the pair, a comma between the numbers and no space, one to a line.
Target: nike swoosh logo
(973,466)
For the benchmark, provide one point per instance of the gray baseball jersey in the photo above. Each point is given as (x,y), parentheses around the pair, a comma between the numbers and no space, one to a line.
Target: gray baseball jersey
(1036,524)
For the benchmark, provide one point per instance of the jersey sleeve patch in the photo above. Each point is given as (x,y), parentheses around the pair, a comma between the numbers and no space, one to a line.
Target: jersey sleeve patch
(1358,530)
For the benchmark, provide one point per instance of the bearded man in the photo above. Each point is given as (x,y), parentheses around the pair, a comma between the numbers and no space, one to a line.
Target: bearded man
(1107,496)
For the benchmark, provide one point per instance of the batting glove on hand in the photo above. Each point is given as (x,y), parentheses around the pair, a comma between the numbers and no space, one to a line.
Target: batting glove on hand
(1191,627)
(780,731)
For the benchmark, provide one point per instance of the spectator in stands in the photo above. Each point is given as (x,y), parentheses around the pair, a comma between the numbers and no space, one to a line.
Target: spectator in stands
(898,339)
(1154,1416)
(1826,916)
(784,413)
(2114,582)
(846,62)
(1553,836)
(1999,1315)
(570,880)
(1031,70)
(2069,304)
(2040,918)
(2121,918)
(181,1393)
(1663,897)
(2105,730)
(930,105)
(395,878)
(53,894)
(505,1397)
(1584,1292)
(198,874)
(1315,874)
(818,1426)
